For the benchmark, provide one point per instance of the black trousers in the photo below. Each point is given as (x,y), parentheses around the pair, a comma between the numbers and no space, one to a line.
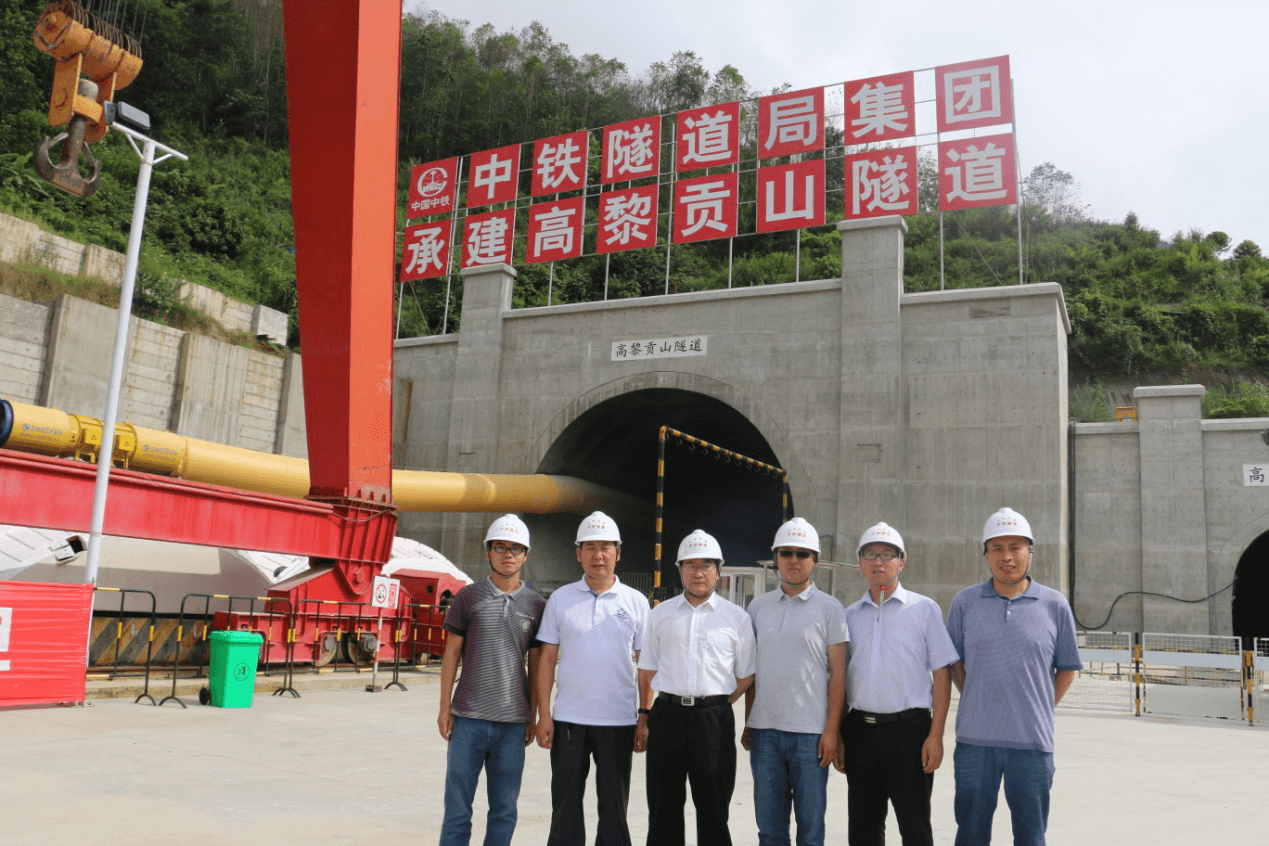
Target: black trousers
(883,763)
(696,745)
(572,748)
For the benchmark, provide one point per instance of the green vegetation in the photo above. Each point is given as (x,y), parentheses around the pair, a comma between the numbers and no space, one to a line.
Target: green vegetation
(1181,308)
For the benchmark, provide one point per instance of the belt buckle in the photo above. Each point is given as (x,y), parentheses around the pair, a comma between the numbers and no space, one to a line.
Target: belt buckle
(687,701)
(870,719)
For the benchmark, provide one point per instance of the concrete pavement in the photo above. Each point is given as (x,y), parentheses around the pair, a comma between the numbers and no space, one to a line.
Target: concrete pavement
(352,767)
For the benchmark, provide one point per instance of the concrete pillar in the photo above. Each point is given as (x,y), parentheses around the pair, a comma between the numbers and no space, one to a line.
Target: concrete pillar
(473,425)
(291,436)
(1173,508)
(871,439)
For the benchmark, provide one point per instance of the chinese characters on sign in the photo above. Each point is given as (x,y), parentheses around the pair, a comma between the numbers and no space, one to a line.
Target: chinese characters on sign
(559,163)
(493,177)
(708,137)
(881,182)
(880,109)
(973,94)
(1254,475)
(432,188)
(791,196)
(640,349)
(425,254)
(705,208)
(627,219)
(632,150)
(791,123)
(977,172)
(487,238)
(555,230)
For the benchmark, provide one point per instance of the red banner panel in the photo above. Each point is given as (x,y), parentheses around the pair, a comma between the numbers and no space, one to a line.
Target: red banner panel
(493,177)
(791,123)
(791,196)
(425,253)
(973,94)
(555,230)
(627,219)
(559,163)
(705,208)
(43,642)
(977,172)
(708,137)
(632,150)
(432,188)
(881,108)
(881,182)
(487,238)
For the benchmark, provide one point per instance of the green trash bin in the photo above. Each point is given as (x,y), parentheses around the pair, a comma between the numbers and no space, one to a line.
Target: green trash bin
(232,668)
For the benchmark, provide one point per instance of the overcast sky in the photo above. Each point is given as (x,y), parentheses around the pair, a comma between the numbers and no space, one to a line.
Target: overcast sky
(1154,107)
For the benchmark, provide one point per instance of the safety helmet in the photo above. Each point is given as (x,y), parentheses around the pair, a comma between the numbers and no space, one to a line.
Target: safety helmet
(797,532)
(881,533)
(508,528)
(1006,521)
(700,545)
(598,527)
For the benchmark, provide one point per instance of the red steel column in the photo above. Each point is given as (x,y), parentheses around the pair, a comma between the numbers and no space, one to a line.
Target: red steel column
(343,74)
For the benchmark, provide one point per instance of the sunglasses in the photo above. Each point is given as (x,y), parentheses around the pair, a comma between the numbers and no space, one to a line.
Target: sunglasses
(800,554)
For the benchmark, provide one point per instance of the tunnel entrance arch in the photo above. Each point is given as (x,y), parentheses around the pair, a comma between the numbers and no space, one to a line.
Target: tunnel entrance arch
(1250,605)
(614,441)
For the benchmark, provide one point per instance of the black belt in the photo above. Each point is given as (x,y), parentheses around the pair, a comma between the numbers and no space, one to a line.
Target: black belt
(695,701)
(880,719)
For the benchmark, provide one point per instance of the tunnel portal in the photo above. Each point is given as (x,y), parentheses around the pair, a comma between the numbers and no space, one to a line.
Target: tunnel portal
(1251,592)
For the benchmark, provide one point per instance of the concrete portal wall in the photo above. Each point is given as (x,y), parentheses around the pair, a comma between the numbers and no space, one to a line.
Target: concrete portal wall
(928,411)
(1162,508)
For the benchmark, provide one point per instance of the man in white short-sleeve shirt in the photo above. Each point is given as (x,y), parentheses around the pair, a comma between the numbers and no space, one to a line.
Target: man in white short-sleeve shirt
(795,704)
(591,635)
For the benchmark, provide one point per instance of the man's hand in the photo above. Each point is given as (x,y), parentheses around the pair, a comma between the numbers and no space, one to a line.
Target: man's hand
(744,738)
(445,723)
(828,747)
(641,734)
(839,759)
(530,732)
(931,754)
(546,732)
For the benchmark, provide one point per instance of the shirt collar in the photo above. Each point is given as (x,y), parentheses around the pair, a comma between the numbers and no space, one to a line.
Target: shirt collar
(900,593)
(1032,591)
(585,587)
(501,591)
(804,596)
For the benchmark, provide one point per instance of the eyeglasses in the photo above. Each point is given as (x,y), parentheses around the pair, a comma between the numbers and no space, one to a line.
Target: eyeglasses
(501,549)
(886,557)
(800,554)
(698,568)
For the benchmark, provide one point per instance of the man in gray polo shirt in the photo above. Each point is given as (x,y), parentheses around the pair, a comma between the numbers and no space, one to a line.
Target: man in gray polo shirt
(793,709)
(1016,641)
(593,629)
(491,625)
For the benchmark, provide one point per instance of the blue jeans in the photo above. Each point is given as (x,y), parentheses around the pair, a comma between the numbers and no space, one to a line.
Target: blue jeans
(787,775)
(498,748)
(1028,775)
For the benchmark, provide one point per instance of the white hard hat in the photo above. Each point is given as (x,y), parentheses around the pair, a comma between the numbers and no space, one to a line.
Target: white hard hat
(797,532)
(700,545)
(598,527)
(1006,521)
(881,533)
(509,528)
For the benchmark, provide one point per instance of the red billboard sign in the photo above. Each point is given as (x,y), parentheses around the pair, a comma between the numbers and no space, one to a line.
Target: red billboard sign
(627,219)
(705,208)
(493,176)
(43,642)
(632,150)
(487,238)
(880,183)
(791,196)
(791,123)
(425,252)
(881,108)
(432,188)
(559,163)
(708,137)
(555,230)
(977,172)
(973,94)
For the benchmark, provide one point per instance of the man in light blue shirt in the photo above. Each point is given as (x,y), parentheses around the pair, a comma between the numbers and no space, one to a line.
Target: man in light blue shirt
(1016,640)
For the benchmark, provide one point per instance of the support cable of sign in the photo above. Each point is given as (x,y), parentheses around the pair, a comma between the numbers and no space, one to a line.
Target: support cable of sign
(675,179)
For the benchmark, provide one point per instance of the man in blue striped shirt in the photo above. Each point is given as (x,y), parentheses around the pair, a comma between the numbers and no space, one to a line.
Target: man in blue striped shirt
(1016,641)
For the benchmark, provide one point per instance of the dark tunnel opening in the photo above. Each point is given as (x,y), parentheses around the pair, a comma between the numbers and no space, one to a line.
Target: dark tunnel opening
(615,444)
(1251,592)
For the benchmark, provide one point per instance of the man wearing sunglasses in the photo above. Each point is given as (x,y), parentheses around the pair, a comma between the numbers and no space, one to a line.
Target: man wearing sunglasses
(898,687)
(795,704)
(491,625)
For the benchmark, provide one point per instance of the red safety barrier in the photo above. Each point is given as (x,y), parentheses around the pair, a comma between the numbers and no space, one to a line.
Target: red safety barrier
(43,642)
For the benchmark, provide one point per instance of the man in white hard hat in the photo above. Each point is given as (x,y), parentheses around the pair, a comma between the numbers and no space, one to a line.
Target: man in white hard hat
(697,659)
(593,630)
(794,707)
(492,625)
(1016,641)
(898,687)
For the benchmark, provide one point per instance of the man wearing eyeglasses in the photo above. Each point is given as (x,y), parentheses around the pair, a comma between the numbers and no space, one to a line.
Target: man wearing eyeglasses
(492,625)
(795,704)
(697,659)
(898,687)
